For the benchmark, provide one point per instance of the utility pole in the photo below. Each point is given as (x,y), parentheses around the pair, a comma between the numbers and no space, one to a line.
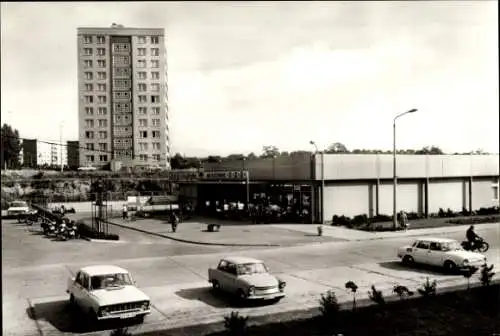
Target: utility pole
(61,144)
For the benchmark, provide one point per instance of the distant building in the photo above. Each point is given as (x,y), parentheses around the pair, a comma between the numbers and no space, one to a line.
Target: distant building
(36,153)
(122,90)
(73,153)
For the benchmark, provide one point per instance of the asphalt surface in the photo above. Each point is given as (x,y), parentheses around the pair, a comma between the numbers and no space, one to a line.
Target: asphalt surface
(174,275)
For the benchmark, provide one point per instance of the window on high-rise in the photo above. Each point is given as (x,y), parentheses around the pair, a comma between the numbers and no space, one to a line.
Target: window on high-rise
(90,158)
(141,63)
(143,157)
(155,75)
(101,63)
(156,157)
(143,146)
(155,64)
(155,40)
(101,51)
(143,110)
(89,123)
(155,51)
(87,51)
(103,123)
(103,147)
(141,51)
(143,134)
(87,64)
(101,75)
(143,99)
(89,111)
(155,99)
(156,122)
(141,87)
(88,99)
(103,158)
(87,39)
(101,99)
(155,134)
(88,75)
(102,111)
(101,39)
(89,146)
(143,122)
(89,135)
(156,110)
(101,87)
(141,39)
(89,87)
(155,87)
(103,134)
(156,145)
(141,75)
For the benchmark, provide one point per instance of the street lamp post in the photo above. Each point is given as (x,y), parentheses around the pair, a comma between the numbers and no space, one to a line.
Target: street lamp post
(322,180)
(247,183)
(394,171)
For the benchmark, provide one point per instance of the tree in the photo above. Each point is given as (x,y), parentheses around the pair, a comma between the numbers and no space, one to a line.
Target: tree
(433,150)
(177,161)
(402,291)
(337,147)
(270,151)
(353,288)
(468,273)
(486,274)
(11,146)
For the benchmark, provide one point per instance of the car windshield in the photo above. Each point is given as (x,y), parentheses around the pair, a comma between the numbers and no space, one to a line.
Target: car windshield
(252,268)
(452,246)
(18,204)
(110,281)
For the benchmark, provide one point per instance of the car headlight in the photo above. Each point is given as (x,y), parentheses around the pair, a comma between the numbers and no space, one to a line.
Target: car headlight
(104,311)
(466,262)
(251,291)
(282,285)
(145,305)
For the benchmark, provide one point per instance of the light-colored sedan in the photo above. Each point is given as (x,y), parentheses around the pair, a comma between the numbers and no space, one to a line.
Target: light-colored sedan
(248,278)
(440,252)
(107,292)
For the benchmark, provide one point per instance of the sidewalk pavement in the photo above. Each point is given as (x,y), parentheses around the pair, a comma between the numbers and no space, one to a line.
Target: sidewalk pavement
(358,235)
(245,235)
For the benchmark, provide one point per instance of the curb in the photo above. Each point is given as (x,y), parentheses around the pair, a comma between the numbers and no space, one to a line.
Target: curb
(193,241)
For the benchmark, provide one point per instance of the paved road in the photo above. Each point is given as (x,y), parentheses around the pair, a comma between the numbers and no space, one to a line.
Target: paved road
(35,271)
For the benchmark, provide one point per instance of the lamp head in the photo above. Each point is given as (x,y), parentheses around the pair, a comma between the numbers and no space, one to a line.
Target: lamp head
(412,111)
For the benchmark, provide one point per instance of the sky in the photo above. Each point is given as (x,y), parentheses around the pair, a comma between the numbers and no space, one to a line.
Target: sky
(242,75)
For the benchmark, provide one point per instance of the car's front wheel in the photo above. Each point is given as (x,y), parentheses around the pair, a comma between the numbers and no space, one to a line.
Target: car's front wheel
(241,295)
(408,260)
(72,302)
(450,266)
(215,286)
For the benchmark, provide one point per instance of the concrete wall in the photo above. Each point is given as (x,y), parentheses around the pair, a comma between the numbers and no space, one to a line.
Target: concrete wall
(86,206)
(373,166)
(360,197)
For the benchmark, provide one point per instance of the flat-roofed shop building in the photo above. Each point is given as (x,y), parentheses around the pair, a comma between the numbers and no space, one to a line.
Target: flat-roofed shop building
(354,184)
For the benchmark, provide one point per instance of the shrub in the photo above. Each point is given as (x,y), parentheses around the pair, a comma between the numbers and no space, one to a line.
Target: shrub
(450,213)
(486,274)
(465,212)
(441,213)
(468,273)
(120,332)
(376,296)
(328,305)
(428,288)
(236,324)
(402,291)
(380,218)
(353,288)
(488,211)
(413,216)
(341,220)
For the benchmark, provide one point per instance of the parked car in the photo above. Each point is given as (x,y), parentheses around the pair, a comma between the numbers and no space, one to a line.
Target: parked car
(19,209)
(107,292)
(441,252)
(247,278)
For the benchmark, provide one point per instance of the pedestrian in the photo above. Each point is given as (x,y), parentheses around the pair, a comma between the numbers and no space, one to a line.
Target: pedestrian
(403,218)
(125,211)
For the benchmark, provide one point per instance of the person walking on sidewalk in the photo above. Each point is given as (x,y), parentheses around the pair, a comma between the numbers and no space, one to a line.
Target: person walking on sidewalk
(125,211)
(403,219)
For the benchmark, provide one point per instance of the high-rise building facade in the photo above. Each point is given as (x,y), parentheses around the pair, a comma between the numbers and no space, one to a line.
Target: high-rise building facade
(123,96)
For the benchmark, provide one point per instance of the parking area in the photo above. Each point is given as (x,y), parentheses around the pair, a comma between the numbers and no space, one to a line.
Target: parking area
(174,275)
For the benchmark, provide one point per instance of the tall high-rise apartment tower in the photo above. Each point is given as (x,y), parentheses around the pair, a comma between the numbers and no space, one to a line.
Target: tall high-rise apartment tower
(122,92)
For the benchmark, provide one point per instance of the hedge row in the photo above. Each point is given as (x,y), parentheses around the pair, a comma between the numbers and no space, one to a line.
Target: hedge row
(85,230)
(363,220)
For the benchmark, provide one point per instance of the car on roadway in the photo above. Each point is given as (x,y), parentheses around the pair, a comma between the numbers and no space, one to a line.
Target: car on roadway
(106,292)
(440,252)
(247,278)
(19,209)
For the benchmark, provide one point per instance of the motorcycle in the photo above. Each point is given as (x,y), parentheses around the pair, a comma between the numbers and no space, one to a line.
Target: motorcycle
(49,228)
(480,245)
(70,231)
(62,232)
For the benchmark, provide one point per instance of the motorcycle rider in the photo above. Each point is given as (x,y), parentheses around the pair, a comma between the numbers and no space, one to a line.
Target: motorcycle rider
(472,237)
